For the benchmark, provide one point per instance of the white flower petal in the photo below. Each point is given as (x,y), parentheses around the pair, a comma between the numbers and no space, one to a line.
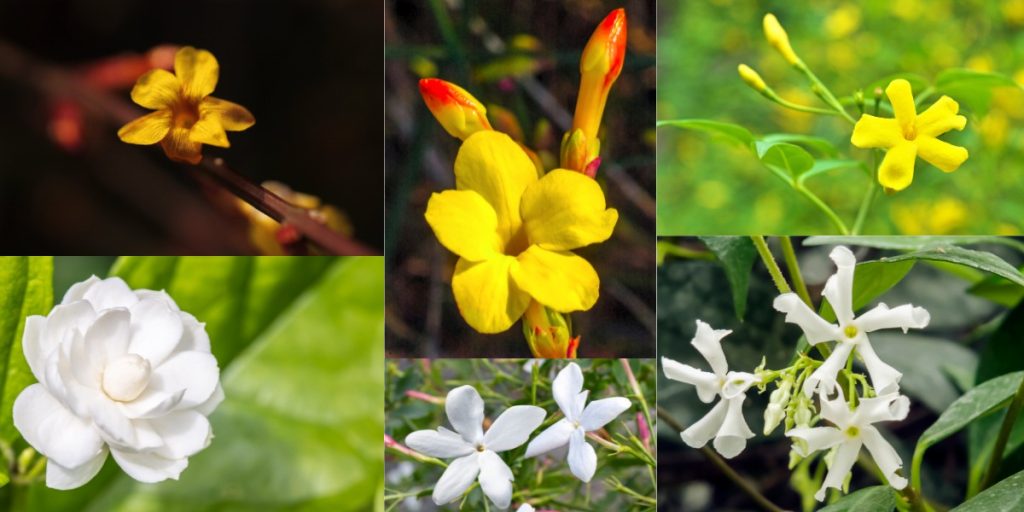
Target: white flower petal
(814,439)
(195,372)
(78,290)
(836,410)
(839,288)
(824,378)
(459,475)
(206,408)
(32,345)
(194,337)
(465,411)
(151,403)
(732,436)
(48,333)
(582,457)
(737,383)
(441,443)
(148,467)
(108,293)
(109,334)
(815,328)
(61,478)
(525,507)
(706,428)
(553,437)
(885,456)
(706,382)
(495,479)
(53,430)
(579,404)
(156,330)
(513,427)
(184,433)
(708,342)
(888,407)
(116,429)
(566,388)
(904,317)
(842,463)
(600,412)
(884,378)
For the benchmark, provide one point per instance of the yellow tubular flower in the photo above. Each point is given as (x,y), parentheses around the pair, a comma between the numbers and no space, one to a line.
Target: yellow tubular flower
(513,233)
(599,68)
(777,37)
(910,135)
(458,111)
(186,115)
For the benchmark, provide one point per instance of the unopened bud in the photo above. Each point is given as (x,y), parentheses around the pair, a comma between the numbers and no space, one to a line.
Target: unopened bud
(548,333)
(752,79)
(458,111)
(773,415)
(579,152)
(599,68)
(777,37)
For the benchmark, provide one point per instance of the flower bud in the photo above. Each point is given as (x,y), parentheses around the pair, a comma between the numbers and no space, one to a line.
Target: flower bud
(599,67)
(777,37)
(549,333)
(752,79)
(773,415)
(579,152)
(458,111)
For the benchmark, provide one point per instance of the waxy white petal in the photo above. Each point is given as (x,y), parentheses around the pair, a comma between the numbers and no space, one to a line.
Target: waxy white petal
(707,383)
(513,427)
(884,378)
(194,372)
(441,443)
(737,383)
(61,478)
(842,463)
(148,467)
(885,456)
(815,328)
(706,428)
(53,430)
(582,457)
(601,412)
(732,436)
(814,439)
(156,330)
(457,477)
(889,407)
(104,294)
(839,288)
(495,479)
(555,436)
(465,411)
(824,377)
(904,317)
(184,433)
(708,342)
(566,389)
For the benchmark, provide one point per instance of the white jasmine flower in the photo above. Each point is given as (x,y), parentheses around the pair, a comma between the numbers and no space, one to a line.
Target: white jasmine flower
(525,507)
(476,453)
(850,333)
(725,422)
(851,430)
(120,371)
(579,419)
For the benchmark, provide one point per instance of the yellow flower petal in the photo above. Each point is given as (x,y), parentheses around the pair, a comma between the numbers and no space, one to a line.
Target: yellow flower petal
(156,89)
(897,169)
(565,210)
(902,99)
(148,129)
(233,117)
(178,146)
(940,118)
(487,297)
(198,71)
(493,165)
(876,132)
(561,281)
(941,154)
(209,131)
(464,223)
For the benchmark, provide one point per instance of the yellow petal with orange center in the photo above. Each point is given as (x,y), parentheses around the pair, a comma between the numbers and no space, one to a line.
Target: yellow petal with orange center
(233,117)
(148,129)
(178,146)
(464,223)
(940,118)
(876,132)
(565,210)
(941,154)
(156,89)
(209,131)
(198,71)
(897,169)
(487,297)
(560,280)
(493,165)
(902,99)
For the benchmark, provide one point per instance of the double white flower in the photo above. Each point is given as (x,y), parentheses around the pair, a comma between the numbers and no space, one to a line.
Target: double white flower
(579,419)
(725,422)
(852,430)
(476,452)
(851,332)
(120,371)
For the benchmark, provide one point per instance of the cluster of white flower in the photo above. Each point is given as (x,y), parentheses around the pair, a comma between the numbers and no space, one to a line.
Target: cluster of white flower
(476,452)
(852,420)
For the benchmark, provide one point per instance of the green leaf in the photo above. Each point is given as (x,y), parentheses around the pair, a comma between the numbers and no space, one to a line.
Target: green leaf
(237,297)
(26,288)
(972,88)
(927,364)
(728,130)
(879,498)
(787,161)
(823,166)
(971,258)
(1005,496)
(816,144)
(912,243)
(998,290)
(1004,351)
(870,280)
(737,255)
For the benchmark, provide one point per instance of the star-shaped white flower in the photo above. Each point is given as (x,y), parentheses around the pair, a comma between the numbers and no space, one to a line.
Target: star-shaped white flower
(525,507)
(851,430)
(850,332)
(579,419)
(725,422)
(476,453)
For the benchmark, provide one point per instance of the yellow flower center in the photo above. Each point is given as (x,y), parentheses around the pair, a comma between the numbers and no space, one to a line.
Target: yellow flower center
(480,448)
(184,114)
(517,244)
(909,131)
(852,431)
(850,331)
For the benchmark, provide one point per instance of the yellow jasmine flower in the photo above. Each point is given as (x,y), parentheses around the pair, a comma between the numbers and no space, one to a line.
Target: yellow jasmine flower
(513,233)
(910,135)
(186,115)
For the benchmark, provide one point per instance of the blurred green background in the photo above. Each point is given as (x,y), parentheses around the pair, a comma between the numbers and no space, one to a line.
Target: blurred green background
(299,341)
(708,185)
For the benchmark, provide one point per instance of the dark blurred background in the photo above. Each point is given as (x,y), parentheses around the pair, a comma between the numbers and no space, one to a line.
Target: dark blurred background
(308,70)
(521,59)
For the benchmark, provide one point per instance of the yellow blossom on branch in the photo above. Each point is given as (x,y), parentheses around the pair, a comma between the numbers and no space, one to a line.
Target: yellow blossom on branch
(186,115)
(911,135)
(514,233)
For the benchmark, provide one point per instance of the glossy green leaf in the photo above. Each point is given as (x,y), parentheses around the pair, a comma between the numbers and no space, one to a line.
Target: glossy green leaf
(998,290)
(1005,496)
(979,260)
(26,288)
(816,144)
(737,255)
(879,498)
(870,280)
(785,160)
(729,130)
(823,166)
(927,364)
(955,79)
(911,243)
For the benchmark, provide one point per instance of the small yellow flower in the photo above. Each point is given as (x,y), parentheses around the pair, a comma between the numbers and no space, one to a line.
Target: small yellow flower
(186,115)
(513,233)
(910,135)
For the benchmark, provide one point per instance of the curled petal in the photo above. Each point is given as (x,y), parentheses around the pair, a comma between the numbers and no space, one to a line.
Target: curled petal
(488,299)
(732,437)
(566,388)
(178,146)
(184,433)
(156,330)
(198,71)
(555,436)
(706,428)
(194,372)
(824,377)
(148,467)
(836,410)
(940,118)
(209,131)
(582,457)
(708,342)
(102,293)
(600,412)
(513,427)
(885,456)
(842,463)
(493,165)
(897,169)
(62,478)
(459,475)
(839,288)
(706,382)
(888,407)
(441,443)
(496,479)
(148,129)
(464,223)
(560,280)
(902,98)
(465,411)
(813,439)
(565,210)
(232,116)
(737,383)
(904,317)
(943,155)
(53,430)
(815,328)
(156,89)
(876,132)
(884,378)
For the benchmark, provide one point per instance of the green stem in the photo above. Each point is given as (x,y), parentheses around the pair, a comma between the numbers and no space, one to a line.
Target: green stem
(996,458)
(636,390)
(865,205)
(836,221)
(825,93)
(794,271)
(769,261)
(771,95)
